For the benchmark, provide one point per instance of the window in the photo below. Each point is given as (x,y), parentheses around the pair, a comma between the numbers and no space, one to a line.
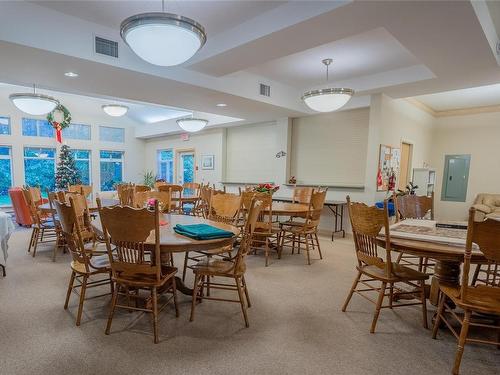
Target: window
(40,167)
(82,161)
(111,169)
(108,134)
(77,131)
(37,128)
(166,165)
(4,125)
(5,175)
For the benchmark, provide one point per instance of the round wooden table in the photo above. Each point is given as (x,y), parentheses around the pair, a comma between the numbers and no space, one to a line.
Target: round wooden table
(45,208)
(289,209)
(171,242)
(448,259)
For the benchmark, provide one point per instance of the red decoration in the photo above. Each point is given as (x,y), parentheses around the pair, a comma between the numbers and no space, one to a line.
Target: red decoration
(58,128)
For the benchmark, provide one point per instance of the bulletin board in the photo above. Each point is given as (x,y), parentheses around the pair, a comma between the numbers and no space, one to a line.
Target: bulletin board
(389,164)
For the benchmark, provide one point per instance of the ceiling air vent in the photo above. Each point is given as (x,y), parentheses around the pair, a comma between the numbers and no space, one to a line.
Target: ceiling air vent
(106,47)
(265,90)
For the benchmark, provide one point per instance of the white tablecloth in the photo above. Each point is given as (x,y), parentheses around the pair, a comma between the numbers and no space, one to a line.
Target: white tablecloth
(6,229)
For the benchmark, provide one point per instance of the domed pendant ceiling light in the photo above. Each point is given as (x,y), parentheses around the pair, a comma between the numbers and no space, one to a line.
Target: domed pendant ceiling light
(191,124)
(329,99)
(34,104)
(115,110)
(161,38)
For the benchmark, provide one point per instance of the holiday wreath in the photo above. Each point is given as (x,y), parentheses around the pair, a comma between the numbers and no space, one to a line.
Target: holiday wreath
(59,113)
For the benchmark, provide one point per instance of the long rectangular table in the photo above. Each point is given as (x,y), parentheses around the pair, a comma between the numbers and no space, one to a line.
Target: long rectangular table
(336,207)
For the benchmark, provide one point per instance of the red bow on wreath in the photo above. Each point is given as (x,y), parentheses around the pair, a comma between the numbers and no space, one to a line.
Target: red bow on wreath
(60,110)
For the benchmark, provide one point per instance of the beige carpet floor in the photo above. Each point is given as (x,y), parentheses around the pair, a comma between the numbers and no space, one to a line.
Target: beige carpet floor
(296,326)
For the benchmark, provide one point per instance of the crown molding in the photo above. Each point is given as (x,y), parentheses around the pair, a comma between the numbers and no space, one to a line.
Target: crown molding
(454,112)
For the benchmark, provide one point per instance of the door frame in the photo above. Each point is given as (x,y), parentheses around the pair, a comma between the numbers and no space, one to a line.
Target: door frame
(177,160)
(410,160)
(466,157)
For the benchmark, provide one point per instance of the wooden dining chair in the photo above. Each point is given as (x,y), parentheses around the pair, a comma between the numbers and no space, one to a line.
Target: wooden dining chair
(141,188)
(414,207)
(224,208)
(85,190)
(36,196)
(219,191)
(246,188)
(157,184)
(266,233)
(302,194)
(203,204)
(164,199)
(176,196)
(480,303)
(304,234)
(191,189)
(43,227)
(89,269)
(59,242)
(83,218)
(367,223)
(134,234)
(229,268)
(125,193)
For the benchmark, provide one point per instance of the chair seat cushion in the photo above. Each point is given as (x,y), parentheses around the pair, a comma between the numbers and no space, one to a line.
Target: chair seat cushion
(214,266)
(480,298)
(99,262)
(399,273)
(147,280)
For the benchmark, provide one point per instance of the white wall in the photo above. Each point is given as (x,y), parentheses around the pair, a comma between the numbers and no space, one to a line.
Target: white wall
(479,136)
(393,121)
(330,148)
(84,111)
(210,142)
(251,153)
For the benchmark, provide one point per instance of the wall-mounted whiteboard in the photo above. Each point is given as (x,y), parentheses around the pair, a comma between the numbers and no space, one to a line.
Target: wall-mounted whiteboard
(331,148)
(251,153)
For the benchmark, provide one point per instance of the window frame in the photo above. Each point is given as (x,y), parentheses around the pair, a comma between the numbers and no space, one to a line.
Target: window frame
(9,126)
(101,159)
(159,162)
(38,122)
(31,157)
(111,127)
(74,151)
(8,157)
(79,139)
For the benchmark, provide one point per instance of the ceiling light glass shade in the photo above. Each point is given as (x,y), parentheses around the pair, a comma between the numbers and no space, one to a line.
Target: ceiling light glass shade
(115,110)
(192,124)
(327,100)
(163,39)
(34,104)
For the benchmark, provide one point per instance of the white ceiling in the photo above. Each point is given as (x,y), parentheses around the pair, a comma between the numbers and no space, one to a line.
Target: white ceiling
(371,52)
(215,16)
(147,119)
(461,99)
(401,48)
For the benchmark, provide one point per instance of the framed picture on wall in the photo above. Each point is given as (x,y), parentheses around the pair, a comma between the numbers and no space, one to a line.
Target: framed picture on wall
(207,162)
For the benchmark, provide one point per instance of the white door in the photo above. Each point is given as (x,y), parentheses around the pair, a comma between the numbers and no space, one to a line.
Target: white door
(185,167)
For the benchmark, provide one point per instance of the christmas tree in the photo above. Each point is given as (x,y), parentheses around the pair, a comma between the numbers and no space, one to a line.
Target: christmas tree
(67,173)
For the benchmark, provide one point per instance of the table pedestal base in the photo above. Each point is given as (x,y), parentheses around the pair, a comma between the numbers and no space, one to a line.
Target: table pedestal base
(445,272)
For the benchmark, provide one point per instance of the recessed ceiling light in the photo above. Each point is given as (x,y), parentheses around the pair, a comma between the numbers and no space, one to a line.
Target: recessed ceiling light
(221,105)
(71,74)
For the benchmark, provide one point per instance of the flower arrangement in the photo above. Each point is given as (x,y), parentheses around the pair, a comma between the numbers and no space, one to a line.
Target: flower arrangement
(150,204)
(266,188)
